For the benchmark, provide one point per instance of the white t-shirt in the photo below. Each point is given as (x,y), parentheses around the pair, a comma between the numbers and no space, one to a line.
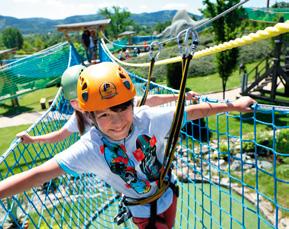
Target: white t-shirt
(131,166)
(71,124)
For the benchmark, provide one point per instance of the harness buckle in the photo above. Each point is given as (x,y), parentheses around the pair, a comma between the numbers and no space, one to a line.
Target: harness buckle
(123,213)
(175,188)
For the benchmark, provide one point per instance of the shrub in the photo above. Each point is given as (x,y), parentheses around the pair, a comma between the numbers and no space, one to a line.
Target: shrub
(248,146)
(254,52)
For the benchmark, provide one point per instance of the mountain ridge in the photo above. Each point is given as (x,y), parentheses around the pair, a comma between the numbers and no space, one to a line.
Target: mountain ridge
(45,25)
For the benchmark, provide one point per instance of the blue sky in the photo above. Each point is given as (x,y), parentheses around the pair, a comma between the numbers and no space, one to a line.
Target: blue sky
(59,9)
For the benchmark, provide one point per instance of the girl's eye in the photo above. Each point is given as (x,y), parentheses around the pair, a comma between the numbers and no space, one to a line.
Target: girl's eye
(103,116)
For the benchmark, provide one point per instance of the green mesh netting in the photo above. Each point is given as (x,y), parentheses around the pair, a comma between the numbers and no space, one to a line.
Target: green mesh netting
(236,178)
(37,71)
(267,14)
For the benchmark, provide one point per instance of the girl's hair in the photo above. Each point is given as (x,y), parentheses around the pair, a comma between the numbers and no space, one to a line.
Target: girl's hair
(117,108)
(122,107)
(81,122)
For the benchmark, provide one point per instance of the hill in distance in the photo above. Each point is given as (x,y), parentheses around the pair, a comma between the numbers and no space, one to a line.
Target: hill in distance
(44,25)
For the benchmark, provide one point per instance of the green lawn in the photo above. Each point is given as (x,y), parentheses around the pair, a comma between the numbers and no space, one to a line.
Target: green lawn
(213,83)
(7,135)
(210,206)
(200,203)
(28,102)
(272,187)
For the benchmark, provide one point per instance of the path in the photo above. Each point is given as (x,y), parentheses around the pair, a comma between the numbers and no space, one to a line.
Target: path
(231,94)
(24,118)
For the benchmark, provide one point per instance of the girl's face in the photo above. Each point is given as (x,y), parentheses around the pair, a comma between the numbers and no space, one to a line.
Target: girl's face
(115,124)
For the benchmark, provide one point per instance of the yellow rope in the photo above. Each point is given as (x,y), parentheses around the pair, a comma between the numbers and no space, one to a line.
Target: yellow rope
(269,32)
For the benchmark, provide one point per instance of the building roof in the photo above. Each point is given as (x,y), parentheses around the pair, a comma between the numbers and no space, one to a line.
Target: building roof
(82,25)
(7,51)
(126,33)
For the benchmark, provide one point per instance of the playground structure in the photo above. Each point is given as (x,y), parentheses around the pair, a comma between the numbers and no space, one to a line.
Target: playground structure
(211,173)
(271,76)
(4,54)
(95,26)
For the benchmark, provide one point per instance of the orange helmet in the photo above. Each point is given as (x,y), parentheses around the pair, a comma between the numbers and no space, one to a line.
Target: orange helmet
(102,86)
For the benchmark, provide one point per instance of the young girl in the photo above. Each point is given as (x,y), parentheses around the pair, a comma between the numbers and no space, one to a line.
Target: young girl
(125,148)
(79,122)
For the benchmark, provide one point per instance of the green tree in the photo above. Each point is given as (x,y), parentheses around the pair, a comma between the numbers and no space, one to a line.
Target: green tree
(160,26)
(120,20)
(39,42)
(225,29)
(12,38)
(281,5)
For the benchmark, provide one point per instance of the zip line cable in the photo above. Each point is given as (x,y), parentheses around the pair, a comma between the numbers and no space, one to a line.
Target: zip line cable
(202,24)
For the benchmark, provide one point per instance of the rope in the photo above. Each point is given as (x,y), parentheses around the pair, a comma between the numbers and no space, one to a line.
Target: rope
(177,122)
(119,45)
(144,97)
(153,58)
(179,113)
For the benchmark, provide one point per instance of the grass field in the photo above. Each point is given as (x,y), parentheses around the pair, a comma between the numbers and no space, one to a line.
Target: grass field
(28,102)
(8,134)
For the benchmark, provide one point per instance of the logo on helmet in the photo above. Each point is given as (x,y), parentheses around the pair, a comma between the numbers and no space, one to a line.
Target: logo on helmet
(107,90)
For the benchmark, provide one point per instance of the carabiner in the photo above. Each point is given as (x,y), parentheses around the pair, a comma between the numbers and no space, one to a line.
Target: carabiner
(195,40)
(188,49)
(179,40)
(151,52)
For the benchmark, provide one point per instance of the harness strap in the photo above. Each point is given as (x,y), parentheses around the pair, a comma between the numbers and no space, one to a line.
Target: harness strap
(153,214)
(147,200)
(144,97)
(153,210)
(177,122)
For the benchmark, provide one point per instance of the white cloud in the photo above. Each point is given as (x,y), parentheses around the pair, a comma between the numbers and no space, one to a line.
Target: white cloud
(24,1)
(144,7)
(175,6)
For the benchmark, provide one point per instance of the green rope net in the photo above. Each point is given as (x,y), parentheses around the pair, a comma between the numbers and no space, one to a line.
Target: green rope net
(267,14)
(33,72)
(233,173)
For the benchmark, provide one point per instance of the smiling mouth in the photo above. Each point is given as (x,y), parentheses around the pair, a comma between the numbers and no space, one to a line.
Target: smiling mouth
(119,129)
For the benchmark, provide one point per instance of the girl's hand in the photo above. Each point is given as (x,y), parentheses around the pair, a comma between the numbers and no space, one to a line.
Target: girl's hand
(191,95)
(25,138)
(243,104)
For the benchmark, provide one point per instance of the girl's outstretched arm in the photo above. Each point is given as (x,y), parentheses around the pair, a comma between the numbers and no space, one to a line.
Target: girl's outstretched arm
(28,179)
(52,137)
(206,109)
(159,99)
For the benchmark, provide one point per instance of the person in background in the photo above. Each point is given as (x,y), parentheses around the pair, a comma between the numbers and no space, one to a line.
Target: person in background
(127,54)
(120,55)
(92,46)
(85,40)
